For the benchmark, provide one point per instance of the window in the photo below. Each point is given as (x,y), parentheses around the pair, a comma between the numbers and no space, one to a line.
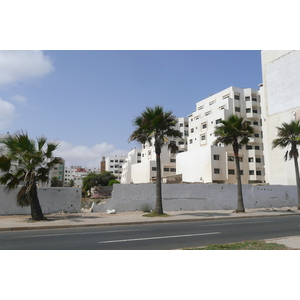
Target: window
(250,159)
(204,125)
(216,157)
(192,130)
(255,123)
(254,99)
(181,124)
(166,169)
(248,110)
(230,158)
(248,147)
(256,135)
(258,173)
(218,121)
(231,171)
(139,154)
(237,109)
(207,113)
(173,170)
(251,172)
(172,160)
(247,98)
(255,111)
(153,168)
(241,172)
(212,102)
(258,159)
(256,147)
(203,137)
(200,107)
(222,107)
(191,141)
(236,96)
(216,171)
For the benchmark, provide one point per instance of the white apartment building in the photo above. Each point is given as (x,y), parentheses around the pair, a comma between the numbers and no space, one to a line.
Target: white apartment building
(145,170)
(204,162)
(77,174)
(114,165)
(280,103)
(58,171)
(133,157)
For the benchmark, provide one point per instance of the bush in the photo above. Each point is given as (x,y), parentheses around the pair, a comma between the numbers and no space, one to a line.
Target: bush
(111,182)
(146,208)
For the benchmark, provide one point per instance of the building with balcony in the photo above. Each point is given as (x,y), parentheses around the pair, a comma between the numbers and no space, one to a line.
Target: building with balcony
(204,162)
(114,165)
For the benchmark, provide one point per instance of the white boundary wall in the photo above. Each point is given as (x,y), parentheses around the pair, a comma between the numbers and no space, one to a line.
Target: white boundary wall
(51,200)
(131,197)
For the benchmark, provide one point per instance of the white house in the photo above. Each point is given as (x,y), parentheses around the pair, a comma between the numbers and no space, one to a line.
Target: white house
(114,165)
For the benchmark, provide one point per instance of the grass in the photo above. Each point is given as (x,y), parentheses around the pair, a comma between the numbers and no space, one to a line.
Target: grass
(154,214)
(249,245)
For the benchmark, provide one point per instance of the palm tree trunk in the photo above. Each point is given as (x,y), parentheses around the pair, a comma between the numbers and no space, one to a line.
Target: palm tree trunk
(240,202)
(36,211)
(297,179)
(158,204)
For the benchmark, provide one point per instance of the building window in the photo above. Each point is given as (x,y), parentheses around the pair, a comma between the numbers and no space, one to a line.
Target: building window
(258,173)
(204,125)
(218,121)
(216,157)
(256,147)
(192,130)
(153,168)
(173,170)
(254,99)
(203,137)
(207,113)
(256,135)
(236,96)
(248,147)
(181,124)
(216,171)
(237,109)
(166,169)
(231,171)
(212,102)
(241,172)
(258,159)
(191,141)
(222,107)
(255,111)
(250,159)
(200,107)
(230,158)
(247,98)
(172,160)
(251,172)
(255,123)
(248,110)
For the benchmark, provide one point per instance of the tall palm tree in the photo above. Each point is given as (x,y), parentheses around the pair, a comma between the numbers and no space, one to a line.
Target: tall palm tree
(26,163)
(289,136)
(235,131)
(156,126)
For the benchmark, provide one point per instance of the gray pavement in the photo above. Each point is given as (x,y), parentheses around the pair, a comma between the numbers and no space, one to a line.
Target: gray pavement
(87,219)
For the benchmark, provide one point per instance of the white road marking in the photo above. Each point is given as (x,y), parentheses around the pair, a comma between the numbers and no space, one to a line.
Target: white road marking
(76,233)
(157,237)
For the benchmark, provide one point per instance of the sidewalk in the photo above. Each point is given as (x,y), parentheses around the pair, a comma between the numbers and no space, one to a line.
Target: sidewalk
(88,219)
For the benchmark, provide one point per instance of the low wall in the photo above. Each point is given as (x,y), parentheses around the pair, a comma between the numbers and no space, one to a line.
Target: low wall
(51,200)
(131,197)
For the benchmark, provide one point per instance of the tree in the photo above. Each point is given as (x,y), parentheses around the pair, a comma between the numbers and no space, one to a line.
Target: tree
(93,179)
(156,126)
(26,163)
(236,132)
(289,136)
(71,183)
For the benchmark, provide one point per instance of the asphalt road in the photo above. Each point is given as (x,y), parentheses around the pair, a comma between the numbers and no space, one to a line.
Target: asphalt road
(152,236)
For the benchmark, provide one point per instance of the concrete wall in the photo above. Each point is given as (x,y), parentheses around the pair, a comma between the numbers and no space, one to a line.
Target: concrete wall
(176,197)
(51,199)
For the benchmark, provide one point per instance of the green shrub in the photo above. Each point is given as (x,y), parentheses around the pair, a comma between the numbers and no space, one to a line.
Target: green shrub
(146,207)
(112,182)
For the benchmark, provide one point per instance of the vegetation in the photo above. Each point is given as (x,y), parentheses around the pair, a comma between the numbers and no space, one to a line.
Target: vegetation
(112,182)
(236,132)
(155,126)
(250,245)
(27,163)
(55,182)
(93,180)
(289,136)
(146,208)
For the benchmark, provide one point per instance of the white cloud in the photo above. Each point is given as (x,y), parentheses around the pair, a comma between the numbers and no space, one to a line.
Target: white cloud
(19,98)
(7,113)
(20,65)
(85,156)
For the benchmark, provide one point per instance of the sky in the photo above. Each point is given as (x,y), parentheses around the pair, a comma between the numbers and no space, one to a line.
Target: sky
(87,99)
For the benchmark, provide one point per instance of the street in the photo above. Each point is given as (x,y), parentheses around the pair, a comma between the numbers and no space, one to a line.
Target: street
(152,236)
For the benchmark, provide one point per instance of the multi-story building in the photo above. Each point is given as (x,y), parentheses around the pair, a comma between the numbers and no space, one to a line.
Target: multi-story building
(145,170)
(77,174)
(58,171)
(114,164)
(280,103)
(133,157)
(204,162)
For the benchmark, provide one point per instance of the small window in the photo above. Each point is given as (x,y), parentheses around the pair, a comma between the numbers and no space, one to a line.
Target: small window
(258,173)
(166,169)
(251,172)
(203,137)
(255,111)
(237,109)
(153,168)
(250,159)
(181,124)
(257,148)
(200,107)
(173,170)
(258,159)
(216,171)
(230,158)
(191,141)
(218,121)
(172,160)
(254,99)
(247,98)
(231,172)
(248,110)
(241,172)
(236,96)
(222,107)
(216,157)
(204,125)
(207,113)
(192,130)
(255,123)
(248,147)
(256,135)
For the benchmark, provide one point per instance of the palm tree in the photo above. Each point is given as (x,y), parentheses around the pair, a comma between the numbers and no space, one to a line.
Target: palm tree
(25,164)
(156,126)
(235,131)
(289,136)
